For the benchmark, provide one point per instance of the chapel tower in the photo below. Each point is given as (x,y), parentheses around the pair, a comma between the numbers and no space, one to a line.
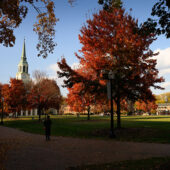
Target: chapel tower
(22,73)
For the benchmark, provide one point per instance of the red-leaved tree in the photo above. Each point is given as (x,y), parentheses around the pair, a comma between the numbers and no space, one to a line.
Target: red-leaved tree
(44,94)
(14,95)
(110,43)
(147,106)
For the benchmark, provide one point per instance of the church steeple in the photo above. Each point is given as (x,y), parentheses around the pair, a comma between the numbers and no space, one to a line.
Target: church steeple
(23,66)
(23,57)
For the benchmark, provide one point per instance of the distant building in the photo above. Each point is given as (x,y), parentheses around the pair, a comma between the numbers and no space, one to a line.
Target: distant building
(22,73)
(163,108)
(65,109)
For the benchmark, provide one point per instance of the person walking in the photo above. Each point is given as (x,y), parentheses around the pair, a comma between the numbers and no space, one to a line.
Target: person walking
(47,125)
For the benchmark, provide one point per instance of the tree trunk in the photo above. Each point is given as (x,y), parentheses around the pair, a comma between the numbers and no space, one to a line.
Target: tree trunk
(130,107)
(2,116)
(15,114)
(130,113)
(118,112)
(88,117)
(39,114)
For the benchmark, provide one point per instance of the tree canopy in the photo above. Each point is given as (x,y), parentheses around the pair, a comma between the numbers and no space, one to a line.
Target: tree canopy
(44,94)
(14,95)
(160,23)
(110,43)
(12,13)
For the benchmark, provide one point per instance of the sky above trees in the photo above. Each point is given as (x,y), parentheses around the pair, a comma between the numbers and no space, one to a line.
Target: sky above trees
(71,19)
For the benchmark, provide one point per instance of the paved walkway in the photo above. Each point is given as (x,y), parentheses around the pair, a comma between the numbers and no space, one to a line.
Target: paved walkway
(31,152)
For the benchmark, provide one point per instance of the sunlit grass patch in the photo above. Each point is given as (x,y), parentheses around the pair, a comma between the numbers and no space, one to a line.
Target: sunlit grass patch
(134,128)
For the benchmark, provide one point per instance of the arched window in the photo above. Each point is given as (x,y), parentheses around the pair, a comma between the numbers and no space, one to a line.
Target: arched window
(23,68)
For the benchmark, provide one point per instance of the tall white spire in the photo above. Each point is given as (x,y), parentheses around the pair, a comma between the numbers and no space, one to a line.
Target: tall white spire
(22,73)
(23,51)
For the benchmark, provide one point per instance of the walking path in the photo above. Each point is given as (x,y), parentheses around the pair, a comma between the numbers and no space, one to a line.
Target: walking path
(31,152)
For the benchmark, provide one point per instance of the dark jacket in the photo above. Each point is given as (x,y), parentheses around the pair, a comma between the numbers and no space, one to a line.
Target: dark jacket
(47,124)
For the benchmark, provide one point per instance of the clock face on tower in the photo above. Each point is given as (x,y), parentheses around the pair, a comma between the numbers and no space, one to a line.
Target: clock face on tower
(23,76)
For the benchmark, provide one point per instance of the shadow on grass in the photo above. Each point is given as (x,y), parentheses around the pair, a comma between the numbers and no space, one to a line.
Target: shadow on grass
(135,135)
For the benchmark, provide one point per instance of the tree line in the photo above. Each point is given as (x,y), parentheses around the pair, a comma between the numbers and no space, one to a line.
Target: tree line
(41,94)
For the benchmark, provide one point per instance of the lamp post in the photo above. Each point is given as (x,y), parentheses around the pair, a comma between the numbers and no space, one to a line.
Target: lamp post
(110,75)
(2,114)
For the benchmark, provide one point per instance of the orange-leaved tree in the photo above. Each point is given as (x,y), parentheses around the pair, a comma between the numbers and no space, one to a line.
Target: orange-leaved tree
(80,100)
(14,95)
(44,94)
(12,13)
(84,98)
(111,44)
(1,102)
(6,96)
(147,106)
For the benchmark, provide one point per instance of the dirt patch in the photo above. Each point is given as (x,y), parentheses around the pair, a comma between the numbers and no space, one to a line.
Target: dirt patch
(3,154)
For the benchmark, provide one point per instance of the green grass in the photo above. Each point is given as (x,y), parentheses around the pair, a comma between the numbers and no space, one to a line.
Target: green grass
(134,128)
(144,164)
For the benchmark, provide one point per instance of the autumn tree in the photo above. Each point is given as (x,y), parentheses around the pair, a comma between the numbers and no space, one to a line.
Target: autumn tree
(1,103)
(109,43)
(5,92)
(14,95)
(147,106)
(45,94)
(84,98)
(80,100)
(0,93)
(74,99)
(13,12)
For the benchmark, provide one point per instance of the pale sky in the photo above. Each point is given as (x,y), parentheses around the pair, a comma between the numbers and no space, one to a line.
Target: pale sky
(71,19)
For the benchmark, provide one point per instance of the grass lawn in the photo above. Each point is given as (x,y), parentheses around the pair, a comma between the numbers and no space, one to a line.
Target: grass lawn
(151,164)
(134,128)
